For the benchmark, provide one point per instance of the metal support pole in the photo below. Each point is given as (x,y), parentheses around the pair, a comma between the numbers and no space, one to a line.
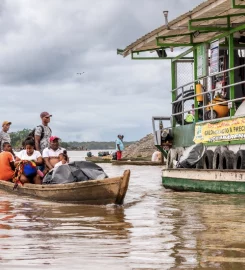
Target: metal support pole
(174,85)
(232,72)
(183,109)
(195,78)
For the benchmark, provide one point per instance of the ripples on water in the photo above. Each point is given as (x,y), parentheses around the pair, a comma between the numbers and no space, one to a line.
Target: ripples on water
(155,229)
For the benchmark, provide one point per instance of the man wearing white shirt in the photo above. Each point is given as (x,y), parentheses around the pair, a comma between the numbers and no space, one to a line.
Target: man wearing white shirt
(51,153)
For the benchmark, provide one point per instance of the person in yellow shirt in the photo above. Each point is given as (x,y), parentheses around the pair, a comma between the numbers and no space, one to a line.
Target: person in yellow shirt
(189,118)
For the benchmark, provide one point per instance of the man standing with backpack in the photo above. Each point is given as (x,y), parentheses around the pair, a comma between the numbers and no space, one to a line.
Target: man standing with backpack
(4,135)
(43,132)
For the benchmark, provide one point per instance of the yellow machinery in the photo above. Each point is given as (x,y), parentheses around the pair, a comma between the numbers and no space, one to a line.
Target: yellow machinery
(219,110)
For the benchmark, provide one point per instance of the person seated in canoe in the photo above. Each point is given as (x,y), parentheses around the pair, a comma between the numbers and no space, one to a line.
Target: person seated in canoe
(51,153)
(26,163)
(6,162)
(64,159)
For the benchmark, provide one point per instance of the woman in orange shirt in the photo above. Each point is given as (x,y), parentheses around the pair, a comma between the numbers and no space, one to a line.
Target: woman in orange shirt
(6,163)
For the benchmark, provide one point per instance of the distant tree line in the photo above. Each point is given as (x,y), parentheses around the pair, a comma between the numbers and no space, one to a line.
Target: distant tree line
(91,145)
(19,136)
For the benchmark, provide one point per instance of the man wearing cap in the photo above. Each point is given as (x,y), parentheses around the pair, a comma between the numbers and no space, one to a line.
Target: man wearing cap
(51,153)
(4,136)
(43,132)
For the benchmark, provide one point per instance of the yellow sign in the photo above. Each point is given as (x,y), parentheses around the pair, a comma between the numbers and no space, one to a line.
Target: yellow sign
(227,130)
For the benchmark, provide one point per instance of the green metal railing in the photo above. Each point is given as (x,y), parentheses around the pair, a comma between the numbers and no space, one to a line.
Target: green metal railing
(208,92)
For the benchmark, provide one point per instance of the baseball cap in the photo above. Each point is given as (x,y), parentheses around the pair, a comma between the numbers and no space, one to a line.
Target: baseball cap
(6,123)
(45,114)
(52,138)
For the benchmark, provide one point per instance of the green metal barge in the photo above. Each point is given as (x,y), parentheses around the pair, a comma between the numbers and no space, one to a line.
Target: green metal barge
(206,48)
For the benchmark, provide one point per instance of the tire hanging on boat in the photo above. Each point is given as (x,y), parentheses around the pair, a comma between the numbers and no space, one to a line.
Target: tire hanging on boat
(207,160)
(200,164)
(179,153)
(227,160)
(170,158)
(239,161)
(177,107)
(217,156)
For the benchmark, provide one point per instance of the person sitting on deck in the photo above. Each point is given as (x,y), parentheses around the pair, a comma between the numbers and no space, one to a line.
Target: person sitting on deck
(189,118)
(6,162)
(26,163)
(156,156)
(51,153)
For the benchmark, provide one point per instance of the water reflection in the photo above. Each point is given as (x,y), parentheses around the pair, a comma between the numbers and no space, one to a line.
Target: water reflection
(5,217)
(155,229)
(47,233)
(207,230)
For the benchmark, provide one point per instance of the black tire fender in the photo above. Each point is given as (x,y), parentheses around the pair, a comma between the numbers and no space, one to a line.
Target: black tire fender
(207,159)
(216,158)
(179,153)
(239,160)
(170,158)
(227,160)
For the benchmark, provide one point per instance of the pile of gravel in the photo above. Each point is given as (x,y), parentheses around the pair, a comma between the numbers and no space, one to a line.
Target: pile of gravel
(142,149)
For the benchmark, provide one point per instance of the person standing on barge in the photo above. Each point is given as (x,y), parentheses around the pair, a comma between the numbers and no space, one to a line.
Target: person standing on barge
(119,146)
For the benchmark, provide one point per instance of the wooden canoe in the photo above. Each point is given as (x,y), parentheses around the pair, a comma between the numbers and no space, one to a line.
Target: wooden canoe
(96,192)
(98,159)
(136,162)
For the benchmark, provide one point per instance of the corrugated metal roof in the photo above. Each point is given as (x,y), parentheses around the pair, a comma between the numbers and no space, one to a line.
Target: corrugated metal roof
(209,8)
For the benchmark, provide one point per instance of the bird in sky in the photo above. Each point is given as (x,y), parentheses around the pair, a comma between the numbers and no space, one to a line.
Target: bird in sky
(80,73)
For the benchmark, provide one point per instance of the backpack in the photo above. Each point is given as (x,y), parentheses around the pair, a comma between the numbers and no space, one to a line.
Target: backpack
(31,135)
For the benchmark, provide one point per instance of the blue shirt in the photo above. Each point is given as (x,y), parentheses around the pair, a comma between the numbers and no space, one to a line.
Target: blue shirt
(121,146)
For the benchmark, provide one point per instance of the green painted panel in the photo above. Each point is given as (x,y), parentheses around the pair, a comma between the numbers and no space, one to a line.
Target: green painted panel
(183,135)
(220,187)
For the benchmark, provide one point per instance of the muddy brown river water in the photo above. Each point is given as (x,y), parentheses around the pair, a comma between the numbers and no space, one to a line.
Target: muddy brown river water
(155,229)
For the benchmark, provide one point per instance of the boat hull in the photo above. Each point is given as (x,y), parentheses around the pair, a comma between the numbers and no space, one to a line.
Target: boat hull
(96,192)
(136,163)
(208,181)
(98,159)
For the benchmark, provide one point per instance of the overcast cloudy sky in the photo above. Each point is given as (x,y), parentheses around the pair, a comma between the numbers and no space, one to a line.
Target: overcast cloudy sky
(44,44)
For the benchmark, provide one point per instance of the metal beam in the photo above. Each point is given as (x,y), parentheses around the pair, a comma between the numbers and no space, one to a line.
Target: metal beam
(183,54)
(178,44)
(209,28)
(174,86)
(234,5)
(149,50)
(232,72)
(174,44)
(150,58)
(226,34)
(213,28)
(156,58)
(195,78)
